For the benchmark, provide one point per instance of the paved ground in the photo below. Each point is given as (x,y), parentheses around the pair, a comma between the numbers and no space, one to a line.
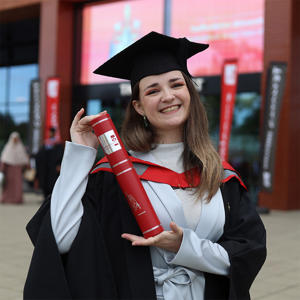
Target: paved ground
(278,280)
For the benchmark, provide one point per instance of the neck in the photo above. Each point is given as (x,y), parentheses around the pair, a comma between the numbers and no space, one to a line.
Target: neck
(168,137)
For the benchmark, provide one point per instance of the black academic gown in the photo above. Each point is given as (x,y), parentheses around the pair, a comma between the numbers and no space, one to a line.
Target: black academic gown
(47,162)
(102,265)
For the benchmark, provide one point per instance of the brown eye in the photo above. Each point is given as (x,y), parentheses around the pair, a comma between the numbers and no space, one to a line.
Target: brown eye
(151,92)
(178,84)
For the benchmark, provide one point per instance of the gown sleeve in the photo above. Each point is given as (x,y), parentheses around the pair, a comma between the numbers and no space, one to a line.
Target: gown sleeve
(244,239)
(201,254)
(66,208)
(82,273)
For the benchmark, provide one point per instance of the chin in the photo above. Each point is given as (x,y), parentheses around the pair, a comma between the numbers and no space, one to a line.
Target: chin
(176,121)
(173,125)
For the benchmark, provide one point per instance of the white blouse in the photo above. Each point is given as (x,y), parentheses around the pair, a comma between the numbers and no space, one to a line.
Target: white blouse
(170,156)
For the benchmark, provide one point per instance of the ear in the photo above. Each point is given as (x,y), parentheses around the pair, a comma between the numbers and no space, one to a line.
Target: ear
(138,107)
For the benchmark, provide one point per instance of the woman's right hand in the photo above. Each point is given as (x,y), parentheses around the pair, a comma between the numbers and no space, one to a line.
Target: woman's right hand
(82,132)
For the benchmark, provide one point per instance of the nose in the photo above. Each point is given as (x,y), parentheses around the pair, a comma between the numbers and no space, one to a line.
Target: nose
(167,95)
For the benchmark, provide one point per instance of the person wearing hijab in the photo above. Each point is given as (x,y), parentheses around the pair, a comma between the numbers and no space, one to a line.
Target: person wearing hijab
(87,242)
(14,159)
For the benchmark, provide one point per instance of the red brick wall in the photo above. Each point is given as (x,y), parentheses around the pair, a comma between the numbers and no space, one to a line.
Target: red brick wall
(281,43)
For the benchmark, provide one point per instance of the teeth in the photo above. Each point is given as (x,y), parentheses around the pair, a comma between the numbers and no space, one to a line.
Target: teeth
(170,108)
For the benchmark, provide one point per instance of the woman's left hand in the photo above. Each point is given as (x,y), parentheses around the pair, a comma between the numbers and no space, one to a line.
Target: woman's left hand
(168,240)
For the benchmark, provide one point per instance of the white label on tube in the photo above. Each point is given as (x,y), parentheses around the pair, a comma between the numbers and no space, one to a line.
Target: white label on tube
(109,142)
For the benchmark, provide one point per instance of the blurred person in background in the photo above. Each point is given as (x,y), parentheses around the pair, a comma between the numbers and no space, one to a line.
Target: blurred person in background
(14,159)
(48,161)
(87,242)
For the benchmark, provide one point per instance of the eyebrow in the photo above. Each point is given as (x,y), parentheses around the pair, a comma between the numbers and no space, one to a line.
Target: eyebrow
(156,83)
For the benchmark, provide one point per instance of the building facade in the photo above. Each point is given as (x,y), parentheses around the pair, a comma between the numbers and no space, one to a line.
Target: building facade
(42,39)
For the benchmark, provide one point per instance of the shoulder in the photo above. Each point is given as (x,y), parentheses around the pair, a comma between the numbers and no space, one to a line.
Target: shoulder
(101,175)
(230,174)
(103,165)
(101,186)
(234,193)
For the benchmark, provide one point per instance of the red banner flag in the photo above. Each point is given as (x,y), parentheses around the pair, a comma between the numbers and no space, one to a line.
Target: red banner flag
(52,109)
(229,84)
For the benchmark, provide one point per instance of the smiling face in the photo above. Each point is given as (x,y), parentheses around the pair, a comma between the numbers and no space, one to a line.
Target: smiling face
(165,101)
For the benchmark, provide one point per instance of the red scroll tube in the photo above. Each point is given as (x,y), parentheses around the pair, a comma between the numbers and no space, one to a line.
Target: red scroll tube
(126,175)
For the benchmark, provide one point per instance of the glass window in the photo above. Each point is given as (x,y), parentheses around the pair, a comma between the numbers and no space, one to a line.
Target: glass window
(114,107)
(244,147)
(93,107)
(15,99)
(244,143)
(3,75)
(19,91)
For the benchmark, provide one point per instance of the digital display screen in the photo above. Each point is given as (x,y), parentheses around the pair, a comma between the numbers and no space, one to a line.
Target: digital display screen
(109,28)
(232,28)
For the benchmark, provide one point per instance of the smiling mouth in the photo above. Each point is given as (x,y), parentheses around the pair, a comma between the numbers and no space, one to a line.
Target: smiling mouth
(170,108)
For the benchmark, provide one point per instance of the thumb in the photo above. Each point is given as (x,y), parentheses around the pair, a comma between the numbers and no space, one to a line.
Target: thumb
(175,228)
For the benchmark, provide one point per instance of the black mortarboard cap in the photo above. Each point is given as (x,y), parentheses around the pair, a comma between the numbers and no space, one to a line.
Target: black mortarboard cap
(152,54)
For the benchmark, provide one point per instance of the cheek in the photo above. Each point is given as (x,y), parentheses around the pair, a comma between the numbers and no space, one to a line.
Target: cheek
(149,106)
(187,109)
(187,102)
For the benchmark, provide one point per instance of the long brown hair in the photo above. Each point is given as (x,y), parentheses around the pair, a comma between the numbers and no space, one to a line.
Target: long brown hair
(198,149)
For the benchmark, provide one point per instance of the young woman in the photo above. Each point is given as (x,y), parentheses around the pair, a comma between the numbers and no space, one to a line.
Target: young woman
(87,242)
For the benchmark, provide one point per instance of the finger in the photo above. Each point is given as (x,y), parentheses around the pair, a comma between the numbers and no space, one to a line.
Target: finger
(98,115)
(102,112)
(144,242)
(131,237)
(138,240)
(78,115)
(87,119)
(175,228)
